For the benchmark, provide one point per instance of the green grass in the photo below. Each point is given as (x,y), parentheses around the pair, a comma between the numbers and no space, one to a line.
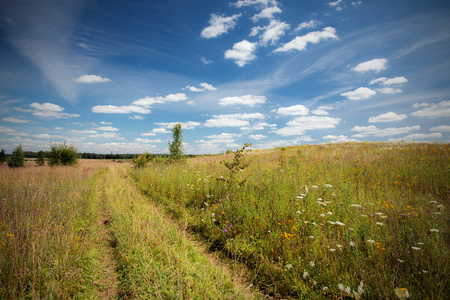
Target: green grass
(317,221)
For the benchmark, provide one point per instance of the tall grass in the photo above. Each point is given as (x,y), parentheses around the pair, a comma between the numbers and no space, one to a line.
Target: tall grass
(45,225)
(357,220)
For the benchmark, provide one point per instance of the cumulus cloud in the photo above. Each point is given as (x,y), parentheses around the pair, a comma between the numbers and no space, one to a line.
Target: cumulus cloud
(389,81)
(299,125)
(257,137)
(338,138)
(203,87)
(432,111)
(184,125)
(300,42)
(219,25)
(92,79)
(267,13)
(242,52)
(359,94)
(322,110)
(271,33)
(10,131)
(106,128)
(124,109)
(262,3)
(149,101)
(14,120)
(233,120)
(443,128)
(51,111)
(307,25)
(374,131)
(376,65)
(419,136)
(387,117)
(259,126)
(296,110)
(249,100)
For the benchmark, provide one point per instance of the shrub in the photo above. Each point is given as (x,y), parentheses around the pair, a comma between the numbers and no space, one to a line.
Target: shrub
(63,154)
(2,156)
(40,160)
(142,160)
(17,158)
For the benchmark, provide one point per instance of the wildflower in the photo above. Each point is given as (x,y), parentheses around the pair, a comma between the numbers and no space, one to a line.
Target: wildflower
(322,215)
(371,241)
(327,185)
(305,274)
(288,266)
(312,264)
(341,286)
(440,207)
(329,213)
(340,224)
(419,243)
(379,223)
(415,248)
(331,222)
(314,187)
(325,288)
(311,236)
(299,197)
(319,199)
(206,203)
(434,230)
(298,212)
(364,216)
(212,215)
(424,271)
(225,230)
(400,260)
(361,287)
(438,213)
(371,203)
(352,244)
(401,293)
(379,213)
(332,250)
(348,290)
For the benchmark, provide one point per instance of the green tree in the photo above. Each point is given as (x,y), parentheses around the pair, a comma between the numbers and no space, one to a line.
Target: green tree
(17,158)
(176,147)
(40,160)
(2,156)
(63,154)
(142,160)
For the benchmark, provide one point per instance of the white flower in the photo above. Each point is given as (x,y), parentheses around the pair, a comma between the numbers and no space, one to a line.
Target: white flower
(312,264)
(440,206)
(371,203)
(305,275)
(319,199)
(434,230)
(401,293)
(329,213)
(311,236)
(288,266)
(341,286)
(322,215)
(379,223)
(371,241)
(348,290)
(340,224)
(339,246)
(361,287)
(331,222)
(401,261)
(315,186)
(424,271)
(332,250)
(298,212)
(328,185)
(415,248)
(212,215)
(379,213)
(352,244)
(325,288)
(419,243)
(364,216)
(355,205)
(438,213)
(206,203)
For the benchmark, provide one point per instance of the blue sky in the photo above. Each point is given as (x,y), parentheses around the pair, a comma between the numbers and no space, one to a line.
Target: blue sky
(115,76)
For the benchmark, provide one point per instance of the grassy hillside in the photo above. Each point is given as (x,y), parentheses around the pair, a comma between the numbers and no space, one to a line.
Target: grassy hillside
(364,220)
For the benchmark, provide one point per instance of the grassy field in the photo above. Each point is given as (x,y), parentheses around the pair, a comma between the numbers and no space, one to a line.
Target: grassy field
(365,220)
(335,221)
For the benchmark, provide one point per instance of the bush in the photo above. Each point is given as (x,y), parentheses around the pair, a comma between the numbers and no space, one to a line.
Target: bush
(17,158)
(63,154)
(40,160)
(2,156)
(142,160)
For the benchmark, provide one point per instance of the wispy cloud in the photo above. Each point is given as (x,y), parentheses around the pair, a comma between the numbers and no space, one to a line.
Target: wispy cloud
(219,25)
(14,120)
(124,109)
(435,110)
(50,111)
(300,42)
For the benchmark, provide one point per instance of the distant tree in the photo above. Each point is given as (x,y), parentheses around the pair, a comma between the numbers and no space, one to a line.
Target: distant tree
(142,160)
(176,147)
(2,156)
(17,158)
(40,160)
(63,154)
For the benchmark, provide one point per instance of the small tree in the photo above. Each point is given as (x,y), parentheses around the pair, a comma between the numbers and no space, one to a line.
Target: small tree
(40,160)
(17,158)
(142,160)
(176,147)
(2,156)
(63,154)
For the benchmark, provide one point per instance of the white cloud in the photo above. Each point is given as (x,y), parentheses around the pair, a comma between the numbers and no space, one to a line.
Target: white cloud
(107,135)
(106,128)
(307,25)
(389,81)
(149,101)
(204,87)
(219,25)
(296,110)
(374,131)
(105,123)
(184,125)
(299,125)
(387,117)
(160,130)
(125,109)
(443,128)
(376,65)
(356,3)
(205,60)
(92,79)
(259,126)
(322,110)
(47,136)
(300,42)
(51,111)
(389,90)
(436,110)
(263,3)
(249,100)
(14,120)
(419,136)
(174,97)
(148,140)
(417,105)
(335,3)
(148,134)
(83,131)
(10,131)
(272,32)
(242,52)
(257,136)
(267,13)
(359,94)
(136,117)
(233,120)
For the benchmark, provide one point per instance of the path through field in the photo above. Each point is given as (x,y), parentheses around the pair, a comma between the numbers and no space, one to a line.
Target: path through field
(147,255)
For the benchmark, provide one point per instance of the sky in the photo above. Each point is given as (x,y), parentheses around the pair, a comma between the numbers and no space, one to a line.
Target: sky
(116,76)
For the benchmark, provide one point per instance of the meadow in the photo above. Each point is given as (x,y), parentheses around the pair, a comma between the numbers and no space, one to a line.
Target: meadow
(356,220)
(334,221)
